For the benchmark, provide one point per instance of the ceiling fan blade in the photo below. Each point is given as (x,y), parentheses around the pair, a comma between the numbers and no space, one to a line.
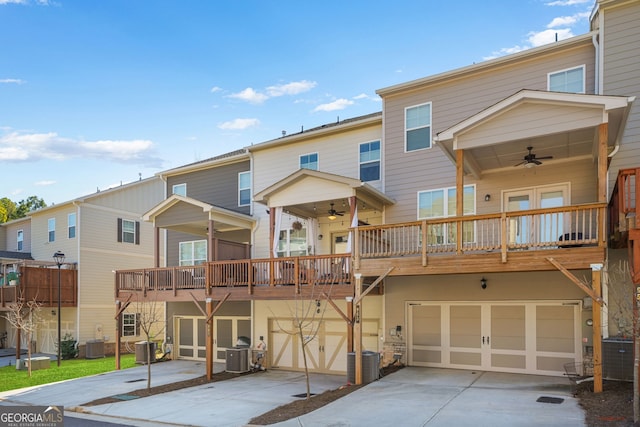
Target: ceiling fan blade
(544,158)
(521,163)
(536,161)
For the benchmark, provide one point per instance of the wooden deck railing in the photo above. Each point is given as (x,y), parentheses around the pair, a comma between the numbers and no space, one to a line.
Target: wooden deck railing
(248,273)
(624,224)
(568,226)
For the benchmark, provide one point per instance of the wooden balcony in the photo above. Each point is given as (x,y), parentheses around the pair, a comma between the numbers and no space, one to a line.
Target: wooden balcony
(280,278)
(41,284)
(500,242)
(624,224)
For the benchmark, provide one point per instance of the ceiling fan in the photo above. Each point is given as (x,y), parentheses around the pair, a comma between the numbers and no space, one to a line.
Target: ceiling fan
(333,214)
(530,159)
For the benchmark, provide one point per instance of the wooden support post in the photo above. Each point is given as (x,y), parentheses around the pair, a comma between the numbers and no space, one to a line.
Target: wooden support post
(459,198)
(596,278)
(603,138)
(209,339)
(212,253)
(120,307)
(357,330)
(156,246)
(350,325)
(118,329)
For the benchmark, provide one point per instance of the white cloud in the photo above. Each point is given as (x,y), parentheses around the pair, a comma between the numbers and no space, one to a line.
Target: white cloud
(31,147)
(215,89)
(12,81)
(44,183)
(12,2)
(548,36)
(239,124)
(338,104)
(250,96)
(567,21)
(292,88)
(370,98)
(568,2)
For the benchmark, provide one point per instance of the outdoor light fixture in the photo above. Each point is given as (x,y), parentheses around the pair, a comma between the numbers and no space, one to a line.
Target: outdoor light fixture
(58,257)
(483,283)
(487,197)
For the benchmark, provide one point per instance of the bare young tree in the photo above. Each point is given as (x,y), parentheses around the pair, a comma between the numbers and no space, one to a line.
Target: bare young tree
(24,315)
(151,321)
(306,317)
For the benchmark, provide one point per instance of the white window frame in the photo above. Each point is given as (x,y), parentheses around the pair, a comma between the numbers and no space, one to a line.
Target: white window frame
(20,240)
(317,162)
(284,244)
(190,246)
(446,214)
(408,129)
(565,71)
(127,233)
(241,188)
(51,230)
(369,161)
(129,321)
(71,225)
(179,189)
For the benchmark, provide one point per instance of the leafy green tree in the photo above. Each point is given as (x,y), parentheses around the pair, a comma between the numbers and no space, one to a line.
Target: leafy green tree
(7,209)
(10,210)
(29,204)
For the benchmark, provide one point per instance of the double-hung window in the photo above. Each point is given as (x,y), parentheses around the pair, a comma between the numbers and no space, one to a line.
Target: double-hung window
(293,242)
(309,161)
(51,228)
(417,127)
(193,252)
(130,324)
(20,240)
(570,80)
(128,231)
(71,226)
(441,203)
(244,188)
(370,161)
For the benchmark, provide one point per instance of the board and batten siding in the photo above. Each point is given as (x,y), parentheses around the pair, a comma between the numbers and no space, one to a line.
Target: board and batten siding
(453,100)
(216,185)
(621,76)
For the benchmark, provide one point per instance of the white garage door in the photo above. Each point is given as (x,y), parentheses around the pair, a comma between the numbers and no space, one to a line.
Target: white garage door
(326,350)
(523,337)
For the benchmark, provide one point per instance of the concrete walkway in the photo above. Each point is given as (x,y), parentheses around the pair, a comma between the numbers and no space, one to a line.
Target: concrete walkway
(410,397)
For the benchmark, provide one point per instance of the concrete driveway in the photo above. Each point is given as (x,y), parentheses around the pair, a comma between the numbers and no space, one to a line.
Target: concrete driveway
(410,397)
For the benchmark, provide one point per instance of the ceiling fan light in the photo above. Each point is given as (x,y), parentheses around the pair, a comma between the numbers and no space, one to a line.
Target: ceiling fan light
(332,217)
(529,165)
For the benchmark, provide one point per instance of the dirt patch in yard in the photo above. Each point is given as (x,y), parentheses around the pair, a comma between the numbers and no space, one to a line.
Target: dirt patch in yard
(611,408)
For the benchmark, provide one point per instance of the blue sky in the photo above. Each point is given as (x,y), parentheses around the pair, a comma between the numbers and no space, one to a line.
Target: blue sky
(97,93)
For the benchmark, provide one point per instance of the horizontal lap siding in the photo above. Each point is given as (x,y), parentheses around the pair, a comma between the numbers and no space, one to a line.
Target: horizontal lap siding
(217,185)
(453,101)
(621,63)
(337,154)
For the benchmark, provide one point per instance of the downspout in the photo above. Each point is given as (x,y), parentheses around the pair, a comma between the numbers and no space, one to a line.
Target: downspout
(164,231)
(252,210)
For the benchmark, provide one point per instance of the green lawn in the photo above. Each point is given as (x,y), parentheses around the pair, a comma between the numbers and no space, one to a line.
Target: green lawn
(74,368)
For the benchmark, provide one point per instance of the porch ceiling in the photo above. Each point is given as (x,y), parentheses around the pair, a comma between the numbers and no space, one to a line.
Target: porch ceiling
(309,194)
(561,125)
(192,216)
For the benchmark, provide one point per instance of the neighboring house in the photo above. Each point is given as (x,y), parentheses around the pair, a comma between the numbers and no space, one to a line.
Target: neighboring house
(97,234)
(471,250)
